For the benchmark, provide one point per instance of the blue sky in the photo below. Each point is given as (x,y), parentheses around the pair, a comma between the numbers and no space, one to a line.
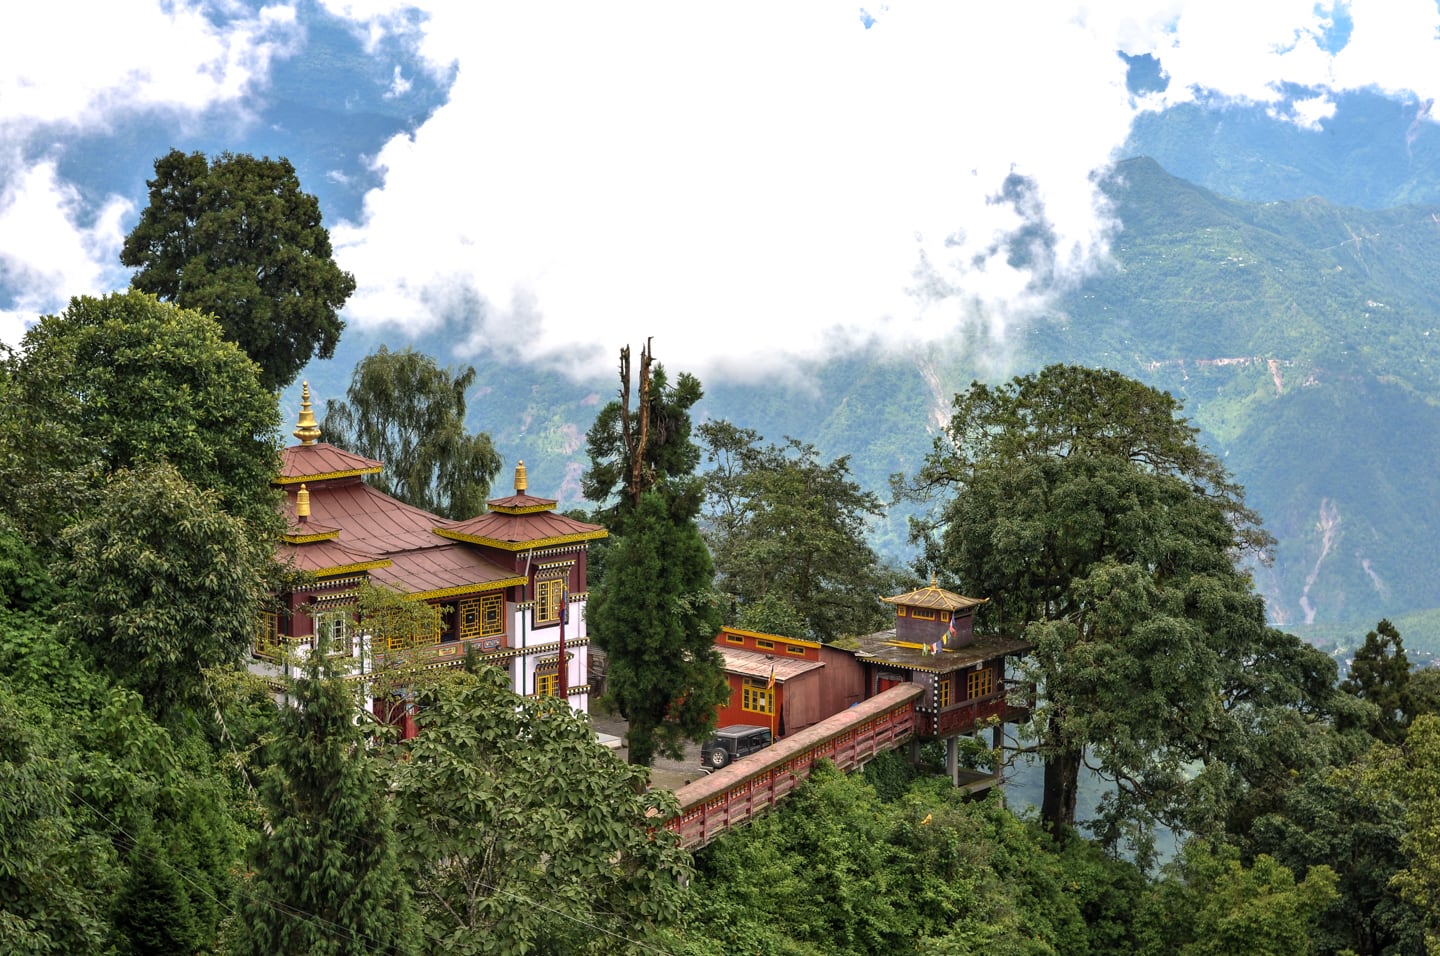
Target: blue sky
(757,185)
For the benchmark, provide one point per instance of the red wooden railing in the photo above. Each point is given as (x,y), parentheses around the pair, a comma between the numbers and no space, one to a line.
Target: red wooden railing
(735,794)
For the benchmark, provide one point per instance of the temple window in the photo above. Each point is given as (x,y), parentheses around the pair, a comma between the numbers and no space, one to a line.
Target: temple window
(547,600)
(267,635)
(482,616)
(332,632)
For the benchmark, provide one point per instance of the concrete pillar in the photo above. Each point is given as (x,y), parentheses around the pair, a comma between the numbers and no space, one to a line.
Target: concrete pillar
(952,760)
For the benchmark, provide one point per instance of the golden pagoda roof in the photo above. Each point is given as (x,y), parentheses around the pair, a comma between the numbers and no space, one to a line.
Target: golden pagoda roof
(935,598)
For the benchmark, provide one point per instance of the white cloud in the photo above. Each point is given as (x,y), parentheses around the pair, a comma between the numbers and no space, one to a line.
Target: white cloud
(51,247)
(761,184)
(752,181)
(72,63)
(72,67)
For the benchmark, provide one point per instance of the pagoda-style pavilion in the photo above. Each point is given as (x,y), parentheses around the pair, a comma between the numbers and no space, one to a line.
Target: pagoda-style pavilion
(509,585)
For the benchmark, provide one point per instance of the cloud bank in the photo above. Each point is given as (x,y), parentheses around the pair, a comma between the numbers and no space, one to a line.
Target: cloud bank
(759,187)
(756,185)
(71,68)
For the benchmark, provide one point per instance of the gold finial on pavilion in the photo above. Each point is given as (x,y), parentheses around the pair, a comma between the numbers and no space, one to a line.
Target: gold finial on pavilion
(308,432)
(933,582)
(521,482)
(302,504)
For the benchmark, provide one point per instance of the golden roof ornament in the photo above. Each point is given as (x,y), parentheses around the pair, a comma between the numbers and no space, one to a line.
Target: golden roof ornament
(521,482)
(302,503)
(308,432)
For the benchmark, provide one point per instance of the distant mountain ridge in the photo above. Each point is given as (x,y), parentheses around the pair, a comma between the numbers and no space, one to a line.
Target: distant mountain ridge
(1303,337)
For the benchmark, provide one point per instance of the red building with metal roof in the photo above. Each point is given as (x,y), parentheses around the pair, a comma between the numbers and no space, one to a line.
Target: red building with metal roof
(509,585)
(792,684)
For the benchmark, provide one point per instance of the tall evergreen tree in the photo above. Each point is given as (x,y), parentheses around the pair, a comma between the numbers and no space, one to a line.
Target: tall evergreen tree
(1380,674)
(409,413)
(238,239)
(326,879)
(635,449)
(656,618)
(653,611)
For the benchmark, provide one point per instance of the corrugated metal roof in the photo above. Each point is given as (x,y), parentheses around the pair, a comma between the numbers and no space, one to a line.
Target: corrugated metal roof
(328,556)
(323,460)
(374,525)
(753,664)
(503,529)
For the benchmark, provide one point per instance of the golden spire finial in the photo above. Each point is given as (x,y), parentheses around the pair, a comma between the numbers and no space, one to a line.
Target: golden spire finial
(933,582)
(302,503)
(521,482)
(308,432)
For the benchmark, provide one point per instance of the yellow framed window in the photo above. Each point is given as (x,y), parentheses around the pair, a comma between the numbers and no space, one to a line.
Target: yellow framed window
(945,691)
(547,600)
(267,634)
(981,683)
(757,697)
(547,682)
(482,616)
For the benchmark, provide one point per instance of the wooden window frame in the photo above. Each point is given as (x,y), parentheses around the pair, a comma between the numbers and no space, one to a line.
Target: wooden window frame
(481,616)
(267,635)
(547,600)
(944,691)
(338,619)
(980,683)
(757,697)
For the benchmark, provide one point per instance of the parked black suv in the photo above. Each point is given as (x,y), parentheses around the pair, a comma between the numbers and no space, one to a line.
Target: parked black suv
(733,742)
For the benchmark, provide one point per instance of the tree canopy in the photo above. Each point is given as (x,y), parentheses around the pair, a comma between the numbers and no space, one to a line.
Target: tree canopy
(786,527)
(507,800)
(656,618)
(237,238)
(326,878)
(409,413)
(124,379)
(162,584)
(1081,504)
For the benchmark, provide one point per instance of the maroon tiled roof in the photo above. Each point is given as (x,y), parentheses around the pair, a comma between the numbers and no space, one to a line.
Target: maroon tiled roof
(322,460)
(328,557)
(378,526)
(513,531)
(752,664)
